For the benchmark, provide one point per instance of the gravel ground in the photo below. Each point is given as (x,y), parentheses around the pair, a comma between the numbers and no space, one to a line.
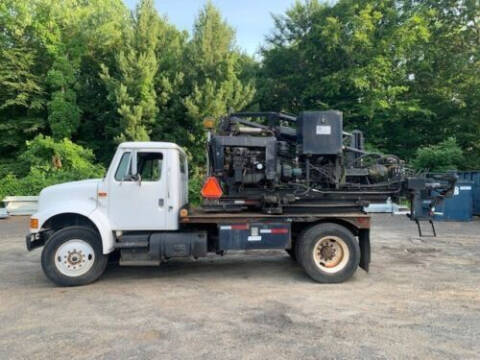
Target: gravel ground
(421,300)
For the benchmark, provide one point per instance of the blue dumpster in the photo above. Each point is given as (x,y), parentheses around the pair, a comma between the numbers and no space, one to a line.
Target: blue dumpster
(473,176)
(460,206)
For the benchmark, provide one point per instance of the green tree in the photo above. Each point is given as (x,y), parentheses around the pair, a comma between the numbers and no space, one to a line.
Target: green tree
(214,66)
(131,85)
(58,32)
(22,88)
(404,71)
(170,124)
(447,75)
(50,56)
(77,76)
(349,56)
(102,25)
(446,155)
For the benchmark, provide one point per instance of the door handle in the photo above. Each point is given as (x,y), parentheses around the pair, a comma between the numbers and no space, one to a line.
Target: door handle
(160,202)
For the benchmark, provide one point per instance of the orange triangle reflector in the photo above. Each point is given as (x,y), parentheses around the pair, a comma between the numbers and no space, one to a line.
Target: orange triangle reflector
(211,189)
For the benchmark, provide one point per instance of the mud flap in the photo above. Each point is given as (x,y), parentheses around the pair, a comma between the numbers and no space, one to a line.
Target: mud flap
(364,242)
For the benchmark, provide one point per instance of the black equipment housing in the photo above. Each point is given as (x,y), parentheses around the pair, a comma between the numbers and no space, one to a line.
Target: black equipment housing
(320,132)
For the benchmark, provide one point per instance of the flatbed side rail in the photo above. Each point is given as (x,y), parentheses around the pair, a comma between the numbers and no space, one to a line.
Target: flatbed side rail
(357,220)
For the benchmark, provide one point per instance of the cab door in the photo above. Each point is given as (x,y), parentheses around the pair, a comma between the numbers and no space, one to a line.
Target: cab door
(138,191)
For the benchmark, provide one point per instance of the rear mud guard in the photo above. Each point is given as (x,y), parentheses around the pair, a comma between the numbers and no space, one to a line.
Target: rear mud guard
(364,242)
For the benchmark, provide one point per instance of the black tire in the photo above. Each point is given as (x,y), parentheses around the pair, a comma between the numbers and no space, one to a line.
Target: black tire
(291,253)
(64,235)
(306,250)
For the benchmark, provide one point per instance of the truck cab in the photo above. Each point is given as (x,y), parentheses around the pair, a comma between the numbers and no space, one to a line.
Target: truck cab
(139,212)
(145,187)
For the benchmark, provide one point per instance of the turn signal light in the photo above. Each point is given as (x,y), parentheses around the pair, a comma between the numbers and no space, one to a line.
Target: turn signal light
(211,189)
(33,223)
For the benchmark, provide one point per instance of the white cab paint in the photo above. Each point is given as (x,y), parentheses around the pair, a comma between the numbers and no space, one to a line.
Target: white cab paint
(124,205)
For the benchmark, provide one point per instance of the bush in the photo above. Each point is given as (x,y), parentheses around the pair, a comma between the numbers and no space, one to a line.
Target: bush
(49,163)
(444,156)
(195,184)
(13,166)
(50,156)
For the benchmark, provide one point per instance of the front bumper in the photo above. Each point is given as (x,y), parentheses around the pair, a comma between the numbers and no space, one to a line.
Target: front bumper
(35,240)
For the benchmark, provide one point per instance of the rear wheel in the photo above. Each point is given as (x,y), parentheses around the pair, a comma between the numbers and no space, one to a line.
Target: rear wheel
(329,253)
(73,256)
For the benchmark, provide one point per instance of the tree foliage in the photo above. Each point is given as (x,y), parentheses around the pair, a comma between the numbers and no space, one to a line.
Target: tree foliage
(214,70)
(405,72)
(93,73)
(50,162)
(49,155)
(446,155)
(132,91)
(22,89)
(97,74)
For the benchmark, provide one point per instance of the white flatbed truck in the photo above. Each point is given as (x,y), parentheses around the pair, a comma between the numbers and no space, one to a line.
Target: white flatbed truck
(139,211)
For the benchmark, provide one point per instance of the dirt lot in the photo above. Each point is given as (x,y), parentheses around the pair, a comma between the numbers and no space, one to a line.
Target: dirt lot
(420,300)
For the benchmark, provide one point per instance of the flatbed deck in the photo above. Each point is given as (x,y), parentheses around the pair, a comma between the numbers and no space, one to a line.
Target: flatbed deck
(358,219)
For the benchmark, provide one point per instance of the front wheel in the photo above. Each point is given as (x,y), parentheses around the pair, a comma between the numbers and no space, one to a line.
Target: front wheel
(329,253)
(73,256)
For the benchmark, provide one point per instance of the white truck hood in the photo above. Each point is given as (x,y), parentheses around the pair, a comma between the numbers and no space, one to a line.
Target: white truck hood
(57,195)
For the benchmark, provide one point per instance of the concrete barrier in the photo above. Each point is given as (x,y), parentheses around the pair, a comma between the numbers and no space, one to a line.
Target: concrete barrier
(21,205)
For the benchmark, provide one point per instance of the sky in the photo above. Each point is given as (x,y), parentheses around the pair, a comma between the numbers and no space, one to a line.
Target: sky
(251,19)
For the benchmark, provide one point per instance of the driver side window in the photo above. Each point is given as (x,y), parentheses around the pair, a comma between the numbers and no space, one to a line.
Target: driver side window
(149,165)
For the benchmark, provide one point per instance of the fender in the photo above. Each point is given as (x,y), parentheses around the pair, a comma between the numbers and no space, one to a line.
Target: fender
(104,228)
(95,215)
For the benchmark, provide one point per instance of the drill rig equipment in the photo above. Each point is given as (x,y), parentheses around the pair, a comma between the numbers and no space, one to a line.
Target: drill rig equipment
(282,163)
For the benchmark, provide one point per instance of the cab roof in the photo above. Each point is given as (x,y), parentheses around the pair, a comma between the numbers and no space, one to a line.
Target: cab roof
(150,145)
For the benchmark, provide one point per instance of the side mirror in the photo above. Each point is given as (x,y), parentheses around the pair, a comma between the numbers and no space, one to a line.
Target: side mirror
(134,177)
(137,178)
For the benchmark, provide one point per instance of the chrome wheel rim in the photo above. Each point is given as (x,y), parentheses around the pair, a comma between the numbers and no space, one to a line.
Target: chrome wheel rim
(74,258)
(331,254)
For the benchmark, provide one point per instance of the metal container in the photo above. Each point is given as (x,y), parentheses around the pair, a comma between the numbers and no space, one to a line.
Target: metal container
(460,206)
(473,176)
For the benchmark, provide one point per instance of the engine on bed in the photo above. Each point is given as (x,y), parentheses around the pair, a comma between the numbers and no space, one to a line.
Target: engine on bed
(303,163)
